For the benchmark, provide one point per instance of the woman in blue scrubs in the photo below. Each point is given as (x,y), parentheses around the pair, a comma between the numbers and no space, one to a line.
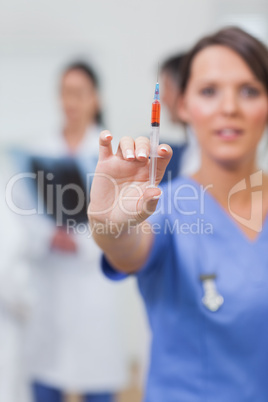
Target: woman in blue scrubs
(200,252)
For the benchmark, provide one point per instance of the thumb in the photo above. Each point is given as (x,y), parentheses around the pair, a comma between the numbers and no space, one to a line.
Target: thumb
(147,204)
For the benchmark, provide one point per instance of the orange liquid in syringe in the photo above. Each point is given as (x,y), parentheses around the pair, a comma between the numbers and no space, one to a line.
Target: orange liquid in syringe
(155,121)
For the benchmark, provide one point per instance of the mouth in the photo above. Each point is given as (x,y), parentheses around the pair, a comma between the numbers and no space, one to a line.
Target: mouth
(229,134)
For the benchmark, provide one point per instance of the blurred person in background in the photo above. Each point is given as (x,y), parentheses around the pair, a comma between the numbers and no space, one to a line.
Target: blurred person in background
(170,85)
(74,339)
(15,305)
(185,159)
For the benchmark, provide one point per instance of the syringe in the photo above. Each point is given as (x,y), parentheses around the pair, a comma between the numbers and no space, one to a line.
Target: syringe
(154,137)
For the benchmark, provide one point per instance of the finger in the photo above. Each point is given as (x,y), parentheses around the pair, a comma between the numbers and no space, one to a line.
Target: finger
(165,154)
(148,202)
(105,146)
(142,148)
(126,147)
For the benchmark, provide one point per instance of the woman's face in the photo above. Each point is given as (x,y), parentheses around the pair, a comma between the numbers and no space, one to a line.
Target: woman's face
(226,105)
(79,97)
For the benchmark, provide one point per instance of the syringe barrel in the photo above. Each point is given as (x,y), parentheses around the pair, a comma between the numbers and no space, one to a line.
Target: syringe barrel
(154,137)
(156,107)
(154,142)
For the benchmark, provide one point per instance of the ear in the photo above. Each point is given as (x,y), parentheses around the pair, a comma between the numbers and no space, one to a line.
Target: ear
(182,109)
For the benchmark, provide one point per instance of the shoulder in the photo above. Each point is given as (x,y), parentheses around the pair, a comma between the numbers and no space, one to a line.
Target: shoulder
(44,147)
(52,145)
(175,185)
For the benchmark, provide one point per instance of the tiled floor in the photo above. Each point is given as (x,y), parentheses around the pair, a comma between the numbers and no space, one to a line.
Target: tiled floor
(130,395)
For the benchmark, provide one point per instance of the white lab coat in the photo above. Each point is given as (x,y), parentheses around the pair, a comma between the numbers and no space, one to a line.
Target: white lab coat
(75,341)
(15,302)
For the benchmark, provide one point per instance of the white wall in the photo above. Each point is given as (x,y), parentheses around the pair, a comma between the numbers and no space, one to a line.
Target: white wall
(124,39)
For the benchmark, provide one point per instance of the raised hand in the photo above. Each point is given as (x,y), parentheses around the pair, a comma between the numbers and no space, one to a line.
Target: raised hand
(120,189)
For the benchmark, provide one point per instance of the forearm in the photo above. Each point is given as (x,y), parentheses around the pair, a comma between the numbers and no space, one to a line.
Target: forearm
(127,250)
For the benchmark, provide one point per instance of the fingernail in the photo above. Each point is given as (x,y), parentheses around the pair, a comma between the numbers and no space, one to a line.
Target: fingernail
(142,153)
(129,154)
(156,197)
(108,135)
(164,149)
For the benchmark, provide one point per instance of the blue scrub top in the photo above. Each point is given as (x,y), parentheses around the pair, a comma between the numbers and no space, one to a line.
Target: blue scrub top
(175,163)
(198,354)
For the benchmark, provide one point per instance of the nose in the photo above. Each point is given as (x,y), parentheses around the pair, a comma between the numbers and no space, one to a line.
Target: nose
(229,103)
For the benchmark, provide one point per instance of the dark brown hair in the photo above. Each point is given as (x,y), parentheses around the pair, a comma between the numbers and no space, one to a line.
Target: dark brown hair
(172,67)
(252,51)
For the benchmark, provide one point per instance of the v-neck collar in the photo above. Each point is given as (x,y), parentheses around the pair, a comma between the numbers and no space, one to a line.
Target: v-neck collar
(228,218)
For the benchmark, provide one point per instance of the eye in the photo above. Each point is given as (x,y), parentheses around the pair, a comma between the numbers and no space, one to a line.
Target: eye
(208,91)
(249,91)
